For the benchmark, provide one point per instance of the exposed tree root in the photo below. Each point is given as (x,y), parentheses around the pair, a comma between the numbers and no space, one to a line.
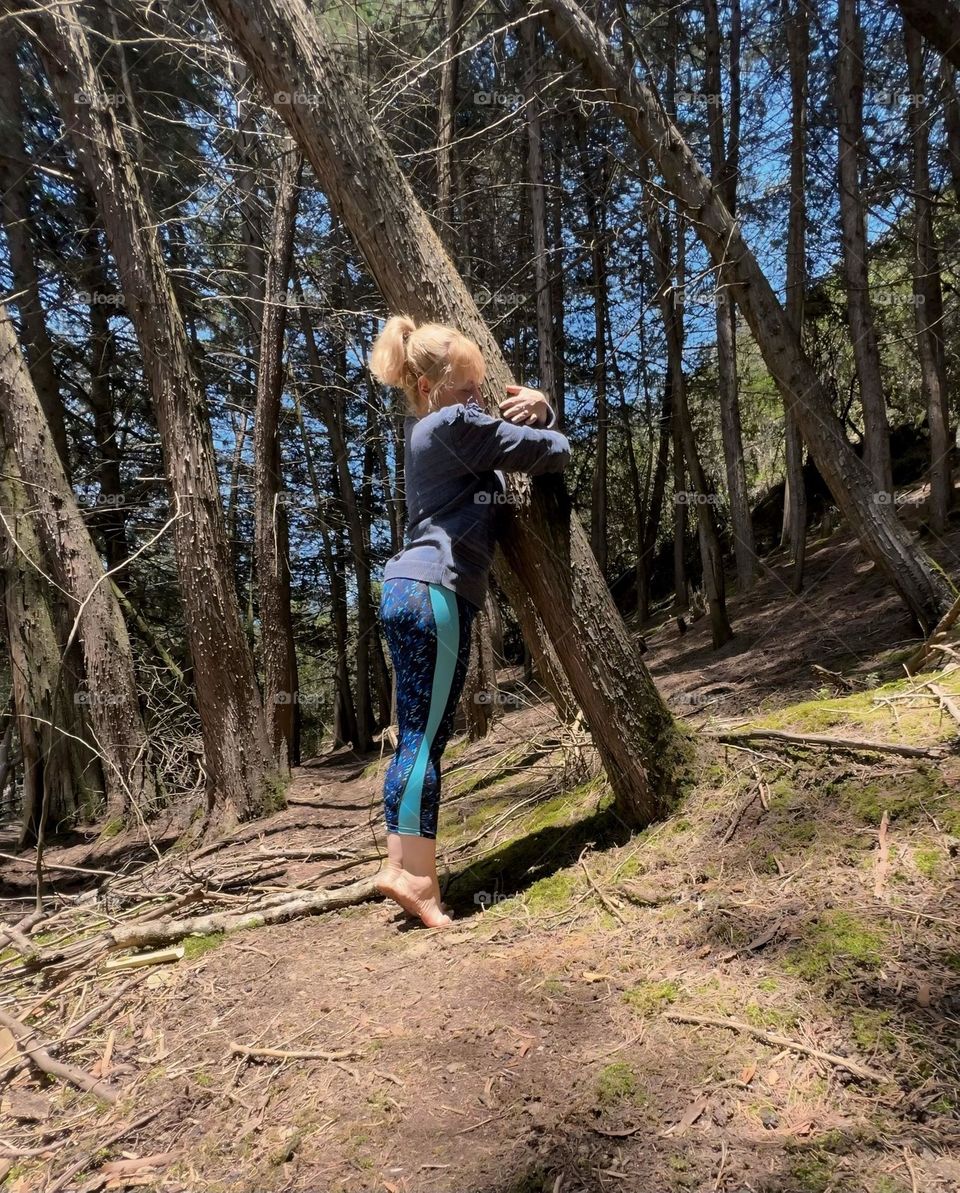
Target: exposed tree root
(823,740)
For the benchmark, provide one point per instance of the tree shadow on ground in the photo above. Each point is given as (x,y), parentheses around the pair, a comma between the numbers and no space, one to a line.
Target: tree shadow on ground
(518,864)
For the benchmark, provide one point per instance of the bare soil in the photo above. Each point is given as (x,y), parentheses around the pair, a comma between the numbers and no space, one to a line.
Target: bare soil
(806,900)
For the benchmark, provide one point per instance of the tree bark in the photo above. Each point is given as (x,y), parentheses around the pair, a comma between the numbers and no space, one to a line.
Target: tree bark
(240,775)
(543,540)
(795,489)
(448,102)
(15,173)
(281,689)
(725,168)
(927,291)
(110,695)
(939,22)
(853,219)
(922,586)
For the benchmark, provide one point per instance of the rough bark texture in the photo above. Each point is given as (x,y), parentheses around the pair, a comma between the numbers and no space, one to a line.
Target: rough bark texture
(237,757)
(543,541)
(795,489)
(14,198)
(928,292)
(725,168)
(853,219)
(110,696)
(922,586)
(281,689)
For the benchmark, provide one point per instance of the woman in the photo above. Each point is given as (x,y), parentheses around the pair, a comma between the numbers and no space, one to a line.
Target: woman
(434,586)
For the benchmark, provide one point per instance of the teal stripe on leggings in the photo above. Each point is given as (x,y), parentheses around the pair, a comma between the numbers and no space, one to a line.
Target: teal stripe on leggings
(447,620)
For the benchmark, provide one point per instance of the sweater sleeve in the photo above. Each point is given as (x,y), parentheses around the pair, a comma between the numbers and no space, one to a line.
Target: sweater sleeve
(482,442)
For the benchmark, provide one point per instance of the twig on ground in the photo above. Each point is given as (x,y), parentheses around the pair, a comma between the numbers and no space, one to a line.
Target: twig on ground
(819,739)
(41,1059)
(295,1054)
(841,1062)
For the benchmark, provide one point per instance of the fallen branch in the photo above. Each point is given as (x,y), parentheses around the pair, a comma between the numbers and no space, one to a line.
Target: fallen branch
(768,1037)
(163,932)
(298,1054)
(607,903)
(821,739)
(42,1060)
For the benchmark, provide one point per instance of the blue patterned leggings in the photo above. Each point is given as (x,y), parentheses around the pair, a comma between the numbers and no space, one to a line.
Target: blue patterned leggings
(427,627)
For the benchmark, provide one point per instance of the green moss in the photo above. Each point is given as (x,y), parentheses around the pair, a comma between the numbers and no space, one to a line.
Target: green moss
(927,861)
(552,892)
(196,946)
(839,944)
(768,1017)
(616,1082)
(768,984)
(203,1078)
(112,828)
(650,997)
(870,1032)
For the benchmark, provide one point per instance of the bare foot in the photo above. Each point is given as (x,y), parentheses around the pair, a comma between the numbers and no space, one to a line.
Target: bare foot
(418,896)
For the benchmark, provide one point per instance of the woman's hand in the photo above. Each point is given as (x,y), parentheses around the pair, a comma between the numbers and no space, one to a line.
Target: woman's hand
(528,407)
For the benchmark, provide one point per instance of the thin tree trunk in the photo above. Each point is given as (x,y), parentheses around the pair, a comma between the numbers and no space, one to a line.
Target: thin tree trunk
(725,168)
(532,84)
(445,133)
(241,779)
(332,414)
(795,488)
(923,588)
(710,553)
(853,218)
(927,291)
(951,119)
(543,540)
(281,688)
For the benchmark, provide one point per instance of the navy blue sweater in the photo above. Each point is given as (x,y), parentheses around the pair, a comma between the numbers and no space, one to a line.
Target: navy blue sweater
(454,461)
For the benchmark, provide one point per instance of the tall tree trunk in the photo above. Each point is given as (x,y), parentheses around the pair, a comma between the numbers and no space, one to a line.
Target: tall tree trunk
(110,696)
(923,588)
(445,132)
(344,710)
(241,779)
(62,778)
(951,120)
(710,552)
(532,85)
(333,416)
(543,540)
(281,689)
(725,169)
(654,504)
(795,488)
(927,291)
(853,218)
(15,173)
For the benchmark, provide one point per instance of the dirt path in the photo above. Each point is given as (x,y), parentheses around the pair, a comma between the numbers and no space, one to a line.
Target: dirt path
(537,1045)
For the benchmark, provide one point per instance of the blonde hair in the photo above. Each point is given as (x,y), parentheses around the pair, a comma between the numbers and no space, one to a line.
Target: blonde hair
(403,353)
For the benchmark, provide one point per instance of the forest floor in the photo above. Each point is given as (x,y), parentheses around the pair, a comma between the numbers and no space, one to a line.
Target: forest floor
(761,992)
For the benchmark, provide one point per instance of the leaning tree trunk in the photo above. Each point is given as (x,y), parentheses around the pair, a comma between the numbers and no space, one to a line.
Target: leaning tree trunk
(928,292)
(281,689)
(922,586)
(724,169)
(939,22)
(795,488)
(110,697)
(62,777)
(853,219)
(544,542)
(15,174)
(240,773)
